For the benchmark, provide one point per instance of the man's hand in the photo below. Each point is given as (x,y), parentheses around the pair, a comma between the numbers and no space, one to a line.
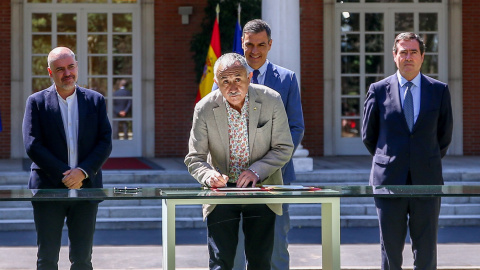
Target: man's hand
(246,178)
(217,180)
(73,178)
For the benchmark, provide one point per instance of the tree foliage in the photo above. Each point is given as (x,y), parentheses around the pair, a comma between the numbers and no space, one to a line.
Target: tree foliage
(250,9)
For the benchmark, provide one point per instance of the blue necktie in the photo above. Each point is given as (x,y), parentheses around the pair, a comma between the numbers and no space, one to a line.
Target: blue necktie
(256,72)
(408,105)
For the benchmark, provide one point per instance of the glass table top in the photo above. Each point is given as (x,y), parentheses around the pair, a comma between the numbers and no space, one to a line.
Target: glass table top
(129,193)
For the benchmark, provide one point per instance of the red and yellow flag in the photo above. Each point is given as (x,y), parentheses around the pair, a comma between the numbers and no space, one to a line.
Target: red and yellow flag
(213,54)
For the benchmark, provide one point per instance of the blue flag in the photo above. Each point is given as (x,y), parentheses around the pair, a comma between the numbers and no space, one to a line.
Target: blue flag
(1,128)
(237,40)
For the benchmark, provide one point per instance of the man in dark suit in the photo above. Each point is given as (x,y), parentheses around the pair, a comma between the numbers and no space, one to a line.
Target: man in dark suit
(407,127)
(67,134)
(256,43)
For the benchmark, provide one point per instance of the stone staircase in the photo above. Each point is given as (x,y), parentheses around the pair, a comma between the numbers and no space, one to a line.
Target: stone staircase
(146,214)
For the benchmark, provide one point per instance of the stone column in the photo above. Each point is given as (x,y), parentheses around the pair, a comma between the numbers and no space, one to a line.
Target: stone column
(283,16)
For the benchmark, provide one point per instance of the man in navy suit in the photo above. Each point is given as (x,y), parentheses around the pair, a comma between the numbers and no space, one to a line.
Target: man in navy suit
(67,135)
(256,43)
(407,127)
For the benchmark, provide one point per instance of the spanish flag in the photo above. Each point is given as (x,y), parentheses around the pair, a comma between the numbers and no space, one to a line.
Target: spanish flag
(213,54)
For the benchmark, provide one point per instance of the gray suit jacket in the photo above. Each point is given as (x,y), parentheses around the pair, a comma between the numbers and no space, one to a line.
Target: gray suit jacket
(284,81)
(270,142)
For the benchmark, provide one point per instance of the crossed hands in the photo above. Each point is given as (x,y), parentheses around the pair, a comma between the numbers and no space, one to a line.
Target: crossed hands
(73,178)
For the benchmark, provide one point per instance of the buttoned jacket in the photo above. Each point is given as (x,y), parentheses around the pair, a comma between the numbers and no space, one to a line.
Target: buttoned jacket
(398,151)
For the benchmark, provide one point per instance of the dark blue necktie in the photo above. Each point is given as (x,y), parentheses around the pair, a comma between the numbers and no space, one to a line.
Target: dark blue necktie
(408,105)
(256,72)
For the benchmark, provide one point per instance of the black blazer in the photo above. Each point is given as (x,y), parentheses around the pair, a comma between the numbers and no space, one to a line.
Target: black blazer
(397,151)
(45,141)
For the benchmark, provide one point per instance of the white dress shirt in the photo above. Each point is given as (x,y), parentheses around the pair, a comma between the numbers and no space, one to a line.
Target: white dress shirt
(69,110)
(263,70)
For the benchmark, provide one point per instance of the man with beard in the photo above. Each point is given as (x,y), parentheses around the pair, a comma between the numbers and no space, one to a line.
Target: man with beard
(67,135)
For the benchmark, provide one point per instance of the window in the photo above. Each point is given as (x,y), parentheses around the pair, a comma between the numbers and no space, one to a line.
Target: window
(104,35)
(364,38)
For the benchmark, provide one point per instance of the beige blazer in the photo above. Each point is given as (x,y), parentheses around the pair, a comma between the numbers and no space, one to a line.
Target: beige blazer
(270,142)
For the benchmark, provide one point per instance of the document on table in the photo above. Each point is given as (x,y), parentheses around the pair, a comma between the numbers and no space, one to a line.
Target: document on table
(238,189)
(295,188)
(286,187)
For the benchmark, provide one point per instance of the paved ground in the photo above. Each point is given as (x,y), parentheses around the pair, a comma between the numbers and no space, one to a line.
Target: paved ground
(451,256)
(141,249)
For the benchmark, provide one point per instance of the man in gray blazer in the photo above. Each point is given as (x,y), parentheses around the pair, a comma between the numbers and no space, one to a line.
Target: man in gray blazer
(242,131)
(256,43)
(407,127)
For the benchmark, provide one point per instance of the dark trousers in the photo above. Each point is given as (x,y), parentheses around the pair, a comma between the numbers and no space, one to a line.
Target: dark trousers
(258,227)
(421,217)
(49,220)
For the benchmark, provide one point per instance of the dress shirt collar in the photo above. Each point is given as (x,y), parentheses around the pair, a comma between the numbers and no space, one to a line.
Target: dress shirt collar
(416,81)
(262,69)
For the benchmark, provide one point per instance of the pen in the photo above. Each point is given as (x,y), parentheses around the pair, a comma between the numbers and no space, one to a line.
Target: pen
(218,170)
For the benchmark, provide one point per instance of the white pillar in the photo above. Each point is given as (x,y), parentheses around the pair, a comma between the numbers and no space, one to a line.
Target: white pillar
(283,16)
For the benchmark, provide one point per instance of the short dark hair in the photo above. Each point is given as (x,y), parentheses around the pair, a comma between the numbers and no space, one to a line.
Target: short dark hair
(409,36)
(257,26)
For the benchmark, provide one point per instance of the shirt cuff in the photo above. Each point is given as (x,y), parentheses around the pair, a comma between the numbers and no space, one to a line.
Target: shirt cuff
(86,174)
(254,172)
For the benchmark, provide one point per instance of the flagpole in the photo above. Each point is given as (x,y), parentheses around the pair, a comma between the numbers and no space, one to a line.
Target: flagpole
(218,11)
(239,11)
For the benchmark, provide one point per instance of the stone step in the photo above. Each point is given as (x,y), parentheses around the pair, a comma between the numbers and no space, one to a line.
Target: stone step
(331,176)
(190,217)
(145,214)
(138,177)
(186,211)
(197,222)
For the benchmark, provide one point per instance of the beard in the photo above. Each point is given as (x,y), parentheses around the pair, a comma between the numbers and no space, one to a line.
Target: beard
(68,85)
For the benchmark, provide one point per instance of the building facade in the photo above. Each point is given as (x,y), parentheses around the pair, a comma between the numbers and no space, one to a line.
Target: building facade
(143,46)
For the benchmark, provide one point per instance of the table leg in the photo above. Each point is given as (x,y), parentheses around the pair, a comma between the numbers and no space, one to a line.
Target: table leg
(331,234)
(168,234)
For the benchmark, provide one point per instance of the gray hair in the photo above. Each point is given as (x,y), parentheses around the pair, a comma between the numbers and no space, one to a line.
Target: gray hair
(409,36)
(229,60)
(257,26)
(59,53)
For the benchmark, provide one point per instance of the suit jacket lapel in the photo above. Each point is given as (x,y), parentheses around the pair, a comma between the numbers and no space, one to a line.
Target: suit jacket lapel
(425,97)
(82,113)
(220,113)
(51,99)
(271,76)
(394,93)
(253,116)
